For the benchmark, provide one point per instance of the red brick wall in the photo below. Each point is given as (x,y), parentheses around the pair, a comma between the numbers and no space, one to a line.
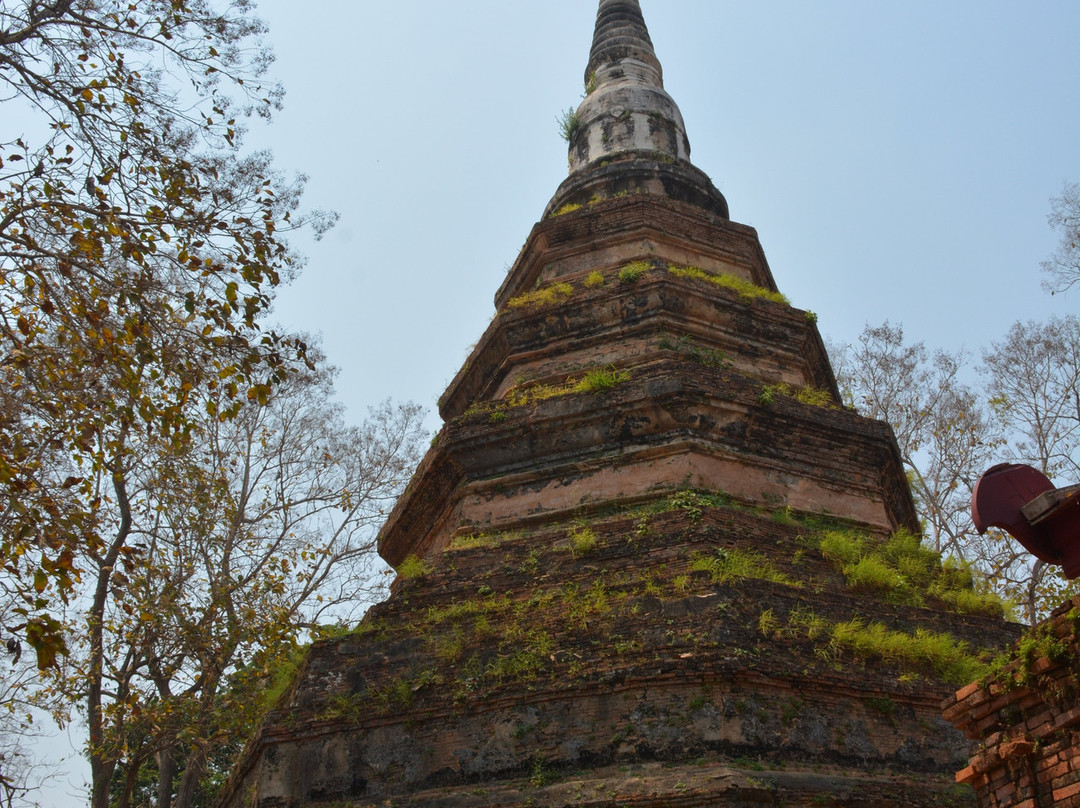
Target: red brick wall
(1026,720)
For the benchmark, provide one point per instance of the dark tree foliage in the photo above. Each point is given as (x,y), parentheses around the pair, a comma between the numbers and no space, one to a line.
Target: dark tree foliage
(139,249)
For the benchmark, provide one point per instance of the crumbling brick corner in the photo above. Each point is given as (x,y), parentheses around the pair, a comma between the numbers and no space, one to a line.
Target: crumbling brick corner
(1025,717)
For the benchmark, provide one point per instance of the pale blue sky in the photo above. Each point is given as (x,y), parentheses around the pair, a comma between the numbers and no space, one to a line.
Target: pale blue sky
(896,158)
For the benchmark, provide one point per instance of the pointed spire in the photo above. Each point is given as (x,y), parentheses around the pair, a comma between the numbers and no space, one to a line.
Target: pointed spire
(621,36)
(628,134)
(626,108)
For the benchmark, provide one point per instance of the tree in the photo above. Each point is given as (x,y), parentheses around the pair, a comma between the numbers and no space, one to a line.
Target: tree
(13,759)
(1033,378)
(1033,382)
(1063,267)
(239,543)
(21,720)
(941,427)
(138,250)
(949,433)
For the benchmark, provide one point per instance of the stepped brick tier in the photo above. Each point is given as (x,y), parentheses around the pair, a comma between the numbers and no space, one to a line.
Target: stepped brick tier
(1026,720)
(633,567)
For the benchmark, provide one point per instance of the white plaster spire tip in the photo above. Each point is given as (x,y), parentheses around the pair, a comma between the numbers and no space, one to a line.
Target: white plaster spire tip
(627,110)
(628,136)
(622,38)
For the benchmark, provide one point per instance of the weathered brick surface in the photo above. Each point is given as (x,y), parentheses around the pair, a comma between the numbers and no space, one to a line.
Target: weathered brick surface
(607,324)
(531,671)
(654,227)
(646,666)
(1027,722)
(672,424)
(563,643)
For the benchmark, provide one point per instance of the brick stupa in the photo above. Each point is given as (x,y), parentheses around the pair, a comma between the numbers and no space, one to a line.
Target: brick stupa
(622,576)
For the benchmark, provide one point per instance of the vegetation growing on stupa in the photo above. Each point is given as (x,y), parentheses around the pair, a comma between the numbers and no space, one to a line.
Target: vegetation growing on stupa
(545,296)
(597,380)
(903,570)
(805,395)
(743,287)
(524,630)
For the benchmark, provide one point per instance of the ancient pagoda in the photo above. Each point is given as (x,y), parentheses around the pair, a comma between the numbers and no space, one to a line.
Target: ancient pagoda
(649,560)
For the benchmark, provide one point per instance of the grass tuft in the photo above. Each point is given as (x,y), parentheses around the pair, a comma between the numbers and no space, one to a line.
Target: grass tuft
(284,674)
(582,541)
(538,298)
(599,381)
(413,567)
(842,547)
(1013,668)
(569,207)
(924,651)
(902,570)
(768,623)
(594,381)
(474,540)
(632,272)
(805,395)
(742,287)
(871,574)
(736,565)
(569,124)
(594,279)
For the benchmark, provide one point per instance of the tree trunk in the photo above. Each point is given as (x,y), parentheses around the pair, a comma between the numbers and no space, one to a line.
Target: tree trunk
(100,777)
(166,761)
(134,764)
(102,768)
(189,783)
